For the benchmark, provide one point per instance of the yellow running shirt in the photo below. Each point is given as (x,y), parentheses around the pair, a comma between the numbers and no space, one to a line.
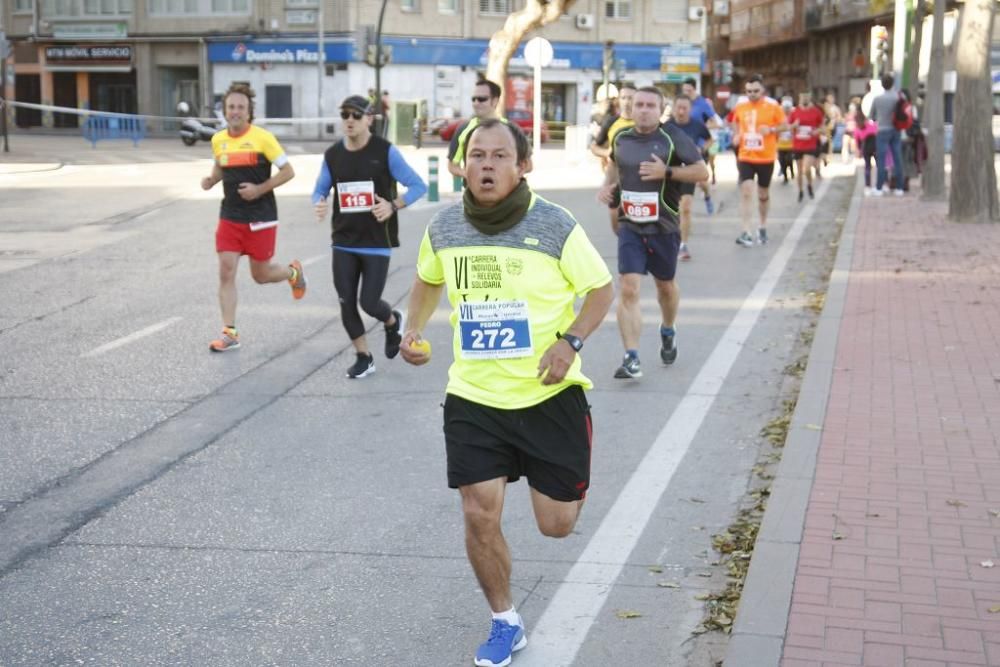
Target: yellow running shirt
(510,293)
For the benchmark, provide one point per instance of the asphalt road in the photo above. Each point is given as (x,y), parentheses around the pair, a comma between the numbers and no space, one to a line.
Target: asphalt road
(160,505)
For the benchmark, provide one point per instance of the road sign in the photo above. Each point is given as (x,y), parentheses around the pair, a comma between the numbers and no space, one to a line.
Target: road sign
(680,62)
(538,52)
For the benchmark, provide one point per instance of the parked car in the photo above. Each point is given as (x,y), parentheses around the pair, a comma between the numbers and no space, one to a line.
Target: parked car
(522,118)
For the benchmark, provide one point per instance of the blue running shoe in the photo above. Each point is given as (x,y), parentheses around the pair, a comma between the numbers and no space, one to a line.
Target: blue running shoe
(504,640)
(709,206)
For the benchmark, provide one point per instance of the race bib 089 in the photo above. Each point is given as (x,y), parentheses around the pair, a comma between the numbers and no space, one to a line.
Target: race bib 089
(494,330)
(641,206)
(356,196)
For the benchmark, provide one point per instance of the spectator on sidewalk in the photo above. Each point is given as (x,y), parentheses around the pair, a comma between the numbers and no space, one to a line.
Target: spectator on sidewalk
(864,139)
(887,141)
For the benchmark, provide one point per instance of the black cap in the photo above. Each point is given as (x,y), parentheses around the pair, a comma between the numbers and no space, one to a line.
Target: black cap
(356,102)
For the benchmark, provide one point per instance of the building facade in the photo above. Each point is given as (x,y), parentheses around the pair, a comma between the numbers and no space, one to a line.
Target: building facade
(145,56)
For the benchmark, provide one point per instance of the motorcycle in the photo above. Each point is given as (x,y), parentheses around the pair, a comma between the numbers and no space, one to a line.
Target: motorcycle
(193,129)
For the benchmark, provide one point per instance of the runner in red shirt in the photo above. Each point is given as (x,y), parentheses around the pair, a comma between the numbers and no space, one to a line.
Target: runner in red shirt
(806,121)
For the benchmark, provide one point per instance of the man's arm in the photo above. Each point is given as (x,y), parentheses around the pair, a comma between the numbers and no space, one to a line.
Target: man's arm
(251,191)
(403,173)
(424,298)
(558,358)
(455,168)
(209,181)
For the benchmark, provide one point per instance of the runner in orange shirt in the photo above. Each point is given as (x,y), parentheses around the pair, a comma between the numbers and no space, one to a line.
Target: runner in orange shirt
(756,124)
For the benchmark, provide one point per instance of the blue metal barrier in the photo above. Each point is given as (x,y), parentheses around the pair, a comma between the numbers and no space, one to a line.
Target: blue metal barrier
(96,128)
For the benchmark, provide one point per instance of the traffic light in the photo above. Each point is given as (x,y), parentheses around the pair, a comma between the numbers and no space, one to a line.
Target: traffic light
(370,56)
(879,50)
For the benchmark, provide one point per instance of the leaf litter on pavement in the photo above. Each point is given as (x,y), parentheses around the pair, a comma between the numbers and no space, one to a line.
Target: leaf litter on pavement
(736,543)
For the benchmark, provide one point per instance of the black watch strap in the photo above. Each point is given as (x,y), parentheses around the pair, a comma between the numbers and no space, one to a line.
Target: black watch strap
(575,342)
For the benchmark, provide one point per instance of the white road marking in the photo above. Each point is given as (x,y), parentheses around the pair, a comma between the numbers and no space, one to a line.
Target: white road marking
(562,628)
(125,340)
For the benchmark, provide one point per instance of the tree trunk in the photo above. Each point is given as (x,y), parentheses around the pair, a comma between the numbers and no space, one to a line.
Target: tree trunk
(933,116)
(505,41)
(973,174)
(918,38)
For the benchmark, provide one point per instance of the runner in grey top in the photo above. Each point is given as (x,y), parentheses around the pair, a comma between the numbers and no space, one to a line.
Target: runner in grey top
(650,164)
(639,203)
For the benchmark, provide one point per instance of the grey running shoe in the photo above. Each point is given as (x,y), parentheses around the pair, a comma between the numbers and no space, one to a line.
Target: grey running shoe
(393,337)
(668,348)
(629,369)
(365,365)
(745,240)
(762,236)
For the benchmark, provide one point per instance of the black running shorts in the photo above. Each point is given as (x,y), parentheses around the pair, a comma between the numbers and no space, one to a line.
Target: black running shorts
(549,443)
(763,172)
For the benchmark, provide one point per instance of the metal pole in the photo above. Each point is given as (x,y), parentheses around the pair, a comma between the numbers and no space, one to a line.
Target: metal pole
(3,91)
(321,69)
(536,133)
(3,103)
(378,68)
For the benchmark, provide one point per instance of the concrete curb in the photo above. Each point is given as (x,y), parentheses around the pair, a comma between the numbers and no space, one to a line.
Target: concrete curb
(758,635)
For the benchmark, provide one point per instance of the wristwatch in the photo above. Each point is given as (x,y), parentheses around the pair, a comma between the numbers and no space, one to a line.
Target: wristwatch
(670,172)
(575,342)
(392,203)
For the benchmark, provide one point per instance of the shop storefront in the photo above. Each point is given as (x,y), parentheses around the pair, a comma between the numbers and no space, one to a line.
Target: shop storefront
(78,76)
(286,79)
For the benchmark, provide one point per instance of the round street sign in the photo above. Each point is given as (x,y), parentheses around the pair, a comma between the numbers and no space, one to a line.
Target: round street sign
(538,52)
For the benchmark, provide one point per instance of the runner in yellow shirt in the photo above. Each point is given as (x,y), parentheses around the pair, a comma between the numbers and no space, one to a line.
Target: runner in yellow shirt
(514,265)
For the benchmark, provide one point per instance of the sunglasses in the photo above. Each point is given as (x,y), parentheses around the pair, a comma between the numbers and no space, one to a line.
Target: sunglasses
(477,98)
(356,115)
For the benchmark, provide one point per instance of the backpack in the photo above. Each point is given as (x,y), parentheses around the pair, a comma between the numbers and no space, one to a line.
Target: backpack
(902,115)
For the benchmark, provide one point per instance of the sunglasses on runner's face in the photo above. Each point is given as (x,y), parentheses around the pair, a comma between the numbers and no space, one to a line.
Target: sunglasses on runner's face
(356,115)
(477,98)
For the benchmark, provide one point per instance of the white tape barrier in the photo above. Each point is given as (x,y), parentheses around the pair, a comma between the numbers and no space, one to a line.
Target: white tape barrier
(176,119)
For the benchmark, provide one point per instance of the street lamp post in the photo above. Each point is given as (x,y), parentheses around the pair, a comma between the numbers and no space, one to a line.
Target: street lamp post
(378,68)
(321,68)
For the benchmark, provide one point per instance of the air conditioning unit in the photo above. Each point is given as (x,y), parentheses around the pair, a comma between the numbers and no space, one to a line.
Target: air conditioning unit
(695,13)
(585,21)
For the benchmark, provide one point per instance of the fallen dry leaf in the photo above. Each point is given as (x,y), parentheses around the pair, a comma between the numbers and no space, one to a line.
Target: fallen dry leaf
(838,536)
(987,563)
(628,613)
(668,584)
(995,513)
(655,568)
(955,503)
(814,427)
(995,609)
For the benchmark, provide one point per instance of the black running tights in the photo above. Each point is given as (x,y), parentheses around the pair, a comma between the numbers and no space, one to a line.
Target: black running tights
(370,271)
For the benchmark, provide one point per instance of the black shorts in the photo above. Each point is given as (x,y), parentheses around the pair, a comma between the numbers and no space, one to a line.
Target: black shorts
(763,172)
(811,153)
(648,253)
(549,443)
(686,188)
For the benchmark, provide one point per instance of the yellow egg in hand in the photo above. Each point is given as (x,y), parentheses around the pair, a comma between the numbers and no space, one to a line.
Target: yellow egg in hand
(423,345)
